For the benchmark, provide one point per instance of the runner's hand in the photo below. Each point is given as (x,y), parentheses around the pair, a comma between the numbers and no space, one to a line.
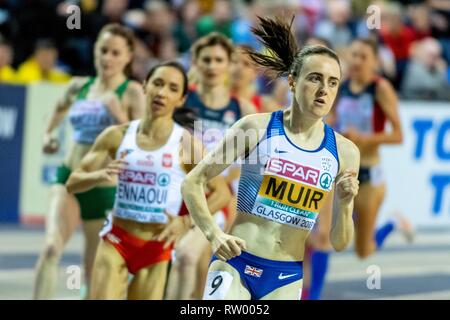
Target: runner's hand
(50,144)
(226,247)
(347,186)
(111,171)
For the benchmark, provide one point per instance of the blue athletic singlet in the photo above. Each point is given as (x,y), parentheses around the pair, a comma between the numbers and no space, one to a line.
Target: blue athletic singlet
(282,182)
(359,111)
(90,117)
(214,122)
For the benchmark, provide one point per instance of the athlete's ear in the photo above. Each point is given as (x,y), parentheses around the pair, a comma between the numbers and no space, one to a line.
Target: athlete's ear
(291,82)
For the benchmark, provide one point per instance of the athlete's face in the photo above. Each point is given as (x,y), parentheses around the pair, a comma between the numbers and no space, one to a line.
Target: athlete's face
(362,59)
(213,65)
(112,54)
(164,91)
(243,72)
(317,85)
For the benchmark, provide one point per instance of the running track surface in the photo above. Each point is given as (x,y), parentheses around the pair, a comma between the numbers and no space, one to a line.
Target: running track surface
(420,270)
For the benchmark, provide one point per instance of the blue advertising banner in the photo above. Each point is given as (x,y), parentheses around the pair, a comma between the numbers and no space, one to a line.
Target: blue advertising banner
(12,110)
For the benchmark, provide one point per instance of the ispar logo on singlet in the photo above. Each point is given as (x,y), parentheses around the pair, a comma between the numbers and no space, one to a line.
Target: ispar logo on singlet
(291,184)
(289,194)
(141,177)
(292,170)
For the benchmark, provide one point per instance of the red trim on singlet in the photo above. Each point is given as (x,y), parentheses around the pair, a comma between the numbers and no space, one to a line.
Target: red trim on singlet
(226,212)
(183,210)
(136,252)
(379,118)
(257,102)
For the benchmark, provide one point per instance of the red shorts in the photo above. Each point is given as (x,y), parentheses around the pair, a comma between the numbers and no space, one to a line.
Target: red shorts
(137,253)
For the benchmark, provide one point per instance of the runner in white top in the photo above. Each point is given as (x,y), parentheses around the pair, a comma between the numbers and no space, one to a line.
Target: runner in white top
(151,156)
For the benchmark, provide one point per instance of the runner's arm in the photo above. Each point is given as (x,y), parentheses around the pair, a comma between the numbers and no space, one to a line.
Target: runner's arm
(92,170)
(211,166)
(345,190)
(218,192)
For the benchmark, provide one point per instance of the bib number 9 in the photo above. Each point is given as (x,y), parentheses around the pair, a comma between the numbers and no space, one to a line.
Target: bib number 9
(217,285)
(217,281)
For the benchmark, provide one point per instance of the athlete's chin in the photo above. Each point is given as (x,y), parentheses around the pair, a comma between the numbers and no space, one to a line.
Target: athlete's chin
(320,112)
(213,82)
(107,73)
(158,112)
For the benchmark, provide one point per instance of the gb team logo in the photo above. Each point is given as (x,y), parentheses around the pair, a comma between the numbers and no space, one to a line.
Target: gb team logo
(325,180)
(255,272)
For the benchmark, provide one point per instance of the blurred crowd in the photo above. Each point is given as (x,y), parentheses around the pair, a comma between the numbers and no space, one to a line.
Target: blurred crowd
(413,36)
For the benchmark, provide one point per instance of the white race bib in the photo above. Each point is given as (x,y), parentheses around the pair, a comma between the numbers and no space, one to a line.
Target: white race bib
(217,285)
(107,225)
